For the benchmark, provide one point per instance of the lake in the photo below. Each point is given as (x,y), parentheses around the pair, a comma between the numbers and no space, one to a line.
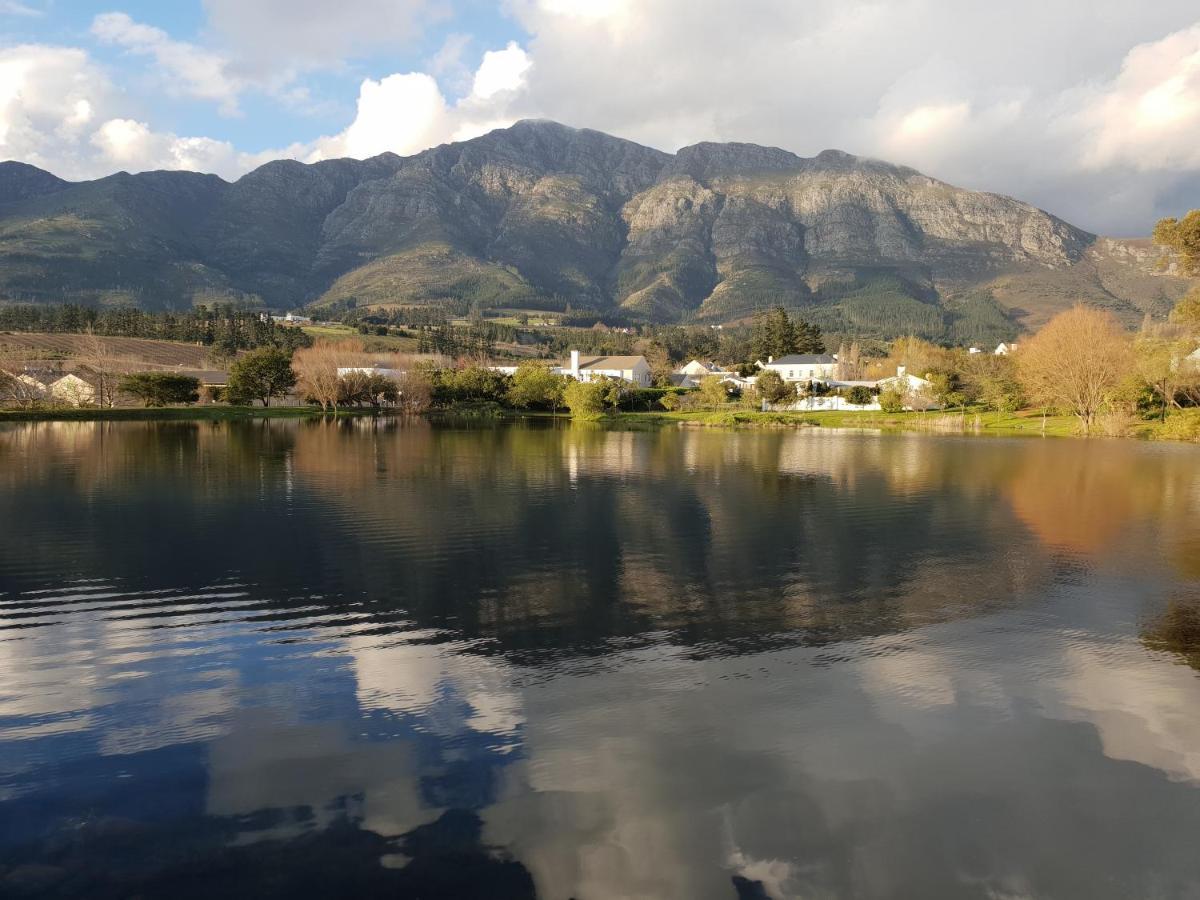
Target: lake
(376,658)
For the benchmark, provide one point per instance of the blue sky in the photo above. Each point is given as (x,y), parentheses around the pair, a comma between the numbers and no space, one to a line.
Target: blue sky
(1093,115)
(263,123)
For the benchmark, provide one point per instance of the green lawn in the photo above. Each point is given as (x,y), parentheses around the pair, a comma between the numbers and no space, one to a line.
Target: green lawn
(373,343)
(974,422)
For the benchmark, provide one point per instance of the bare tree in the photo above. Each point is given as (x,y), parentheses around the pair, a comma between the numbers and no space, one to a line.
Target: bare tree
(1076,362)
(101,363)
(317,370)
(849,362)
(18,387)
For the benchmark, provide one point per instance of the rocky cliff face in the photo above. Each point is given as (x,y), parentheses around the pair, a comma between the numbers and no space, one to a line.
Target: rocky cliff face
(542,215)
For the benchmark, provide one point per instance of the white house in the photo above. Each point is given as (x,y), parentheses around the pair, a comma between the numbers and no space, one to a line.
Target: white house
(802,366)
(904,382)
(917,392)
(343,371)
(1003,349)
(32,386)
(72,390)
(693,373)
(634,369)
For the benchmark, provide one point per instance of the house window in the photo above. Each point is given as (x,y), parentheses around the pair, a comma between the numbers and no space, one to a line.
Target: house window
(791,373)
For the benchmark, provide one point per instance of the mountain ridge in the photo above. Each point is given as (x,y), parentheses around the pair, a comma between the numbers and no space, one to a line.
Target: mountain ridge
(542,215)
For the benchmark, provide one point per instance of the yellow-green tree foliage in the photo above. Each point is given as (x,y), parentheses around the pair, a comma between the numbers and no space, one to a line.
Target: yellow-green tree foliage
(1182,236)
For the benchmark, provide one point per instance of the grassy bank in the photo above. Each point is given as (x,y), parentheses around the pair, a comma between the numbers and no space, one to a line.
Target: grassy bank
(1183,425)
(170,413)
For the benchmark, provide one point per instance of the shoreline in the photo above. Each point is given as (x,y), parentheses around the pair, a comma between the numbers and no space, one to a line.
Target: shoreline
(1180,427)
(175,414)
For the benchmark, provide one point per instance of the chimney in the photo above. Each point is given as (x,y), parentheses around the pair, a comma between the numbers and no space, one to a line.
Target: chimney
(900,370)
(575,364)
(770,359)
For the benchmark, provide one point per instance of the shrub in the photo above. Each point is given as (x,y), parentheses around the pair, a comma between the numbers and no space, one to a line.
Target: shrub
(713,391)
(534,385)
(891,401)
(771,387)
(859,395)
(669,402)
(161,388)
(591,399)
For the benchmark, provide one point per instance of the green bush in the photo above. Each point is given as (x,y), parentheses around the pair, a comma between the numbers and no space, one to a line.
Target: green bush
(640,399)
(891,401)
(859,395)
(160,388)
(591,399)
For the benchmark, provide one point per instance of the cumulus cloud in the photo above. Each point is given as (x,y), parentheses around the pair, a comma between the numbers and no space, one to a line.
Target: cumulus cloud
(188,70)
(406,113)
(313,33)
(1095,124)
(1016,98)
(1149,116)
(501,70)
(48,97)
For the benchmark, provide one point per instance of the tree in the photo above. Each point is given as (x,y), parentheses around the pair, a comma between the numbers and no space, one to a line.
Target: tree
(776,335)
(590,399)
(1182,236)
(771,387)
(534,385)
(993,380)
(99,360)
(317,367)
(17,387)
(1161,363)
(669,402)
(260,375)
(1075,362)
(713,391)
(160,388)
(415,389)
(891,401)
(859,395)
(1186,313)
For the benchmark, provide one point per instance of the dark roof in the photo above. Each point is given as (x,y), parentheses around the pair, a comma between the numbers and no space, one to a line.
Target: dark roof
(804,359)
(204,376)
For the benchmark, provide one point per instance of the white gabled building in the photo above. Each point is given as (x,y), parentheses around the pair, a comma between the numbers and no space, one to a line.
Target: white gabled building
(1004,349)
(72,390)
(633,369)
(690,375)
(343,371)
(802,366)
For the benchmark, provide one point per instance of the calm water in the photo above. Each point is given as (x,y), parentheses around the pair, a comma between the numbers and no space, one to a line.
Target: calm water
(368,659)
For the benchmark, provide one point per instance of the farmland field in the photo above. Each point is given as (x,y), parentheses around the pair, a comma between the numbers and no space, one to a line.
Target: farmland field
(144,350)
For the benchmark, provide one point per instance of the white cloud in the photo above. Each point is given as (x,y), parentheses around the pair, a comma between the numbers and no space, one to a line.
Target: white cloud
(129,144)
(501,70)
(47,98)
(268,38)
(1149,116)
(406,113)
(187,69)
(400,113)
(986,95)
(13,8)
(1096,124)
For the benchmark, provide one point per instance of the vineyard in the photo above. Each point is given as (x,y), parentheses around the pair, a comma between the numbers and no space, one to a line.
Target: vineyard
(159,354)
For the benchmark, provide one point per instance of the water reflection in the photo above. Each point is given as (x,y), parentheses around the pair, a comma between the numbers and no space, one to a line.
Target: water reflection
(566,661)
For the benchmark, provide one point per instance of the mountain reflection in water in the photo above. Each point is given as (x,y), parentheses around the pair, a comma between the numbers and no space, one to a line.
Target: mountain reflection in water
(380,658)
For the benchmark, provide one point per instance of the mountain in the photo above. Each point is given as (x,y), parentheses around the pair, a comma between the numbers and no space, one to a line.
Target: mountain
(543,216)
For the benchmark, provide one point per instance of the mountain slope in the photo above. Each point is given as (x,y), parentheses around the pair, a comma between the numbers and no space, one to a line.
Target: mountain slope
(541,215)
